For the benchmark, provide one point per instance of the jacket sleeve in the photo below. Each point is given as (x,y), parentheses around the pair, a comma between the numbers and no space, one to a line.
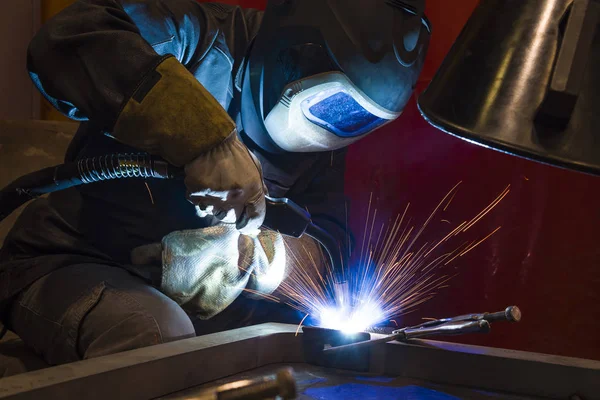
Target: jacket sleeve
(90,58)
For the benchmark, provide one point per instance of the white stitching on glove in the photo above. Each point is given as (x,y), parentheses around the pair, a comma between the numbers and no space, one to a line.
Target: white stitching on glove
(227,182)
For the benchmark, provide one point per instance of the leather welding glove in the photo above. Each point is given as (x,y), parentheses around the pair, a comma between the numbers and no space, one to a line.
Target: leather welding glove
(226,182)
(205,270)
(172,115)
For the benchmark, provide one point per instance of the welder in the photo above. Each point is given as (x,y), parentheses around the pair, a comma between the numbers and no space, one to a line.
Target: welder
(249,104)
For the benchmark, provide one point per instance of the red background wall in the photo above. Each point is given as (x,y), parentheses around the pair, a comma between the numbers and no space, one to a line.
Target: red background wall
(546,256)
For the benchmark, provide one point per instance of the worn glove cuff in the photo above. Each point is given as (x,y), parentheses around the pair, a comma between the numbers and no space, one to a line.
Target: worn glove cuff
(172,115)
(266,254)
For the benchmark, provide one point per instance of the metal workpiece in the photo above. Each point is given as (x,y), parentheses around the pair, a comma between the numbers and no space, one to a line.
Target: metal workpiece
(315,340)
(282,385)
(331,337)
(183,369)
(461,325)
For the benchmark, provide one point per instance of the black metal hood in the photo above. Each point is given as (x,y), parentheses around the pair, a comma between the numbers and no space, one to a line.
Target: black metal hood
(524,78)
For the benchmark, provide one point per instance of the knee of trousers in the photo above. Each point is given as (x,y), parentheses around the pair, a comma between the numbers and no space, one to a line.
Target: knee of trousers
(99,312)
(122,320)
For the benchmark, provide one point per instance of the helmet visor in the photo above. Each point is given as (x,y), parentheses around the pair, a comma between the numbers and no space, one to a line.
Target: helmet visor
(324,112)
(338,112)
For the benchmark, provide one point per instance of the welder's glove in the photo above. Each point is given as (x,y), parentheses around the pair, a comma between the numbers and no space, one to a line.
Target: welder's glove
(172,115)
(226,182)
(205,270)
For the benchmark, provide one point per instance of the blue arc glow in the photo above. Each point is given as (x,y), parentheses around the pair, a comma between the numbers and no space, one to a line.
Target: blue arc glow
(351,319)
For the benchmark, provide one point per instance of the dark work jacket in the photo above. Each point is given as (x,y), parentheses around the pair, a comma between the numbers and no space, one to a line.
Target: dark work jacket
(87,61)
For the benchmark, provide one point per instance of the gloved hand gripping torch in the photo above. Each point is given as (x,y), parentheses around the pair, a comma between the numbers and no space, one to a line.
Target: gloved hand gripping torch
(282,215)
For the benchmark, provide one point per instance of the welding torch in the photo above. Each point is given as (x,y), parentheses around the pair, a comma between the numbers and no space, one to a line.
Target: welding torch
(289,219)
(463,324)
(282,215)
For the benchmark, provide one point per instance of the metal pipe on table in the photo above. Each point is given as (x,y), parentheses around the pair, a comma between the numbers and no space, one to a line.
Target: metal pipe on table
(282,385)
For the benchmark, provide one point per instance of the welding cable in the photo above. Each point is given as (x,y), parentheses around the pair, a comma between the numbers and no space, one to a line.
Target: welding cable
(84,171)
(281,213)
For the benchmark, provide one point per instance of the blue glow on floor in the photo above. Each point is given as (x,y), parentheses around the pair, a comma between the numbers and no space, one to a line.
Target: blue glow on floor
(356,391)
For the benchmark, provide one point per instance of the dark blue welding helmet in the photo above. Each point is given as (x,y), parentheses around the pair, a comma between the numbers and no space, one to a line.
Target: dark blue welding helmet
(322,74)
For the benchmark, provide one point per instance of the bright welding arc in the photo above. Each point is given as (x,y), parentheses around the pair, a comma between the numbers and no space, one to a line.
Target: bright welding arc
(394,275)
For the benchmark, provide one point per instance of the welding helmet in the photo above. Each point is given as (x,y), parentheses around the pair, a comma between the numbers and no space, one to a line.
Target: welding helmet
(322,74)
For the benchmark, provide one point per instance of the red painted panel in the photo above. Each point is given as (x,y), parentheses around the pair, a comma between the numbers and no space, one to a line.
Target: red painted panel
(545,258)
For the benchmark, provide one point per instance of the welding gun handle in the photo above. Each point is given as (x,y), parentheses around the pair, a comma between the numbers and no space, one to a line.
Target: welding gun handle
(448,330)
(286,217)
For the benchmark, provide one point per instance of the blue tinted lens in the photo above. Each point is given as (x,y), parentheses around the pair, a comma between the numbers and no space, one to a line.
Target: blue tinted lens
(340,114)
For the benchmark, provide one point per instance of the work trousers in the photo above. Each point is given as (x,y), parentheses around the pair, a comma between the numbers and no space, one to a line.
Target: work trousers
(91,310)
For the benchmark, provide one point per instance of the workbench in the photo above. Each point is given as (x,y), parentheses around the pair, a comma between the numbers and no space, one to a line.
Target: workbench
(421,369)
